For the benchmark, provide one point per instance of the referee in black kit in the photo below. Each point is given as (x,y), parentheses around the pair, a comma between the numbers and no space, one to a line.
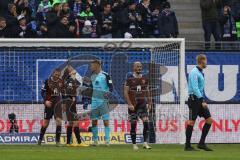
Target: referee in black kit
(197,105)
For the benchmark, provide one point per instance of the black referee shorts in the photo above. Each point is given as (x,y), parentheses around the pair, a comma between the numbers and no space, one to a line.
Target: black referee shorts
(196,109)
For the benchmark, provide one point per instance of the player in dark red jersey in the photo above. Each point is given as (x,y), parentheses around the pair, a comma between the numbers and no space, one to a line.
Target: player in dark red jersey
(71,84)
(139,102)
(52,91)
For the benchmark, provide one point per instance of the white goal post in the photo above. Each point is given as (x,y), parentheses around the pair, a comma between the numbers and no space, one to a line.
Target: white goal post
(169,54)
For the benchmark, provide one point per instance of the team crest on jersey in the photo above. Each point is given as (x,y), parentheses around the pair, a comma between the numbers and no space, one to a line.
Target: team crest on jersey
(55,91)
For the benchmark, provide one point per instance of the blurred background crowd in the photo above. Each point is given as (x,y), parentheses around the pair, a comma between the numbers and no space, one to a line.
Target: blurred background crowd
(87,19)
(112,19)
(220,18)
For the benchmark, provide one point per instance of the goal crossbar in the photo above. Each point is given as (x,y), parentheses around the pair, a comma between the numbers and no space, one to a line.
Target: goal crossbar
(139,43)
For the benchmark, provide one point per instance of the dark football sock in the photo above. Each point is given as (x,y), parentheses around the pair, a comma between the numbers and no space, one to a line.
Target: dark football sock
(77,134)
(69,134)
(145,131)
(205,131)
(189,131)
(133,131)
(58,133)
(42,132)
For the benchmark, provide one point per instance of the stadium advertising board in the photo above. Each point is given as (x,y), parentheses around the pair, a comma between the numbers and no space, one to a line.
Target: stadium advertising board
(225,129)
(6,138)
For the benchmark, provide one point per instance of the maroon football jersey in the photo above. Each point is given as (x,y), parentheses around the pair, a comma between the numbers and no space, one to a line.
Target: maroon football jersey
(138,89)
(54,89)
(71,86)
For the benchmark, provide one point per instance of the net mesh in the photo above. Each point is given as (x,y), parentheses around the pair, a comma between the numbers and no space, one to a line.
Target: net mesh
(165,73)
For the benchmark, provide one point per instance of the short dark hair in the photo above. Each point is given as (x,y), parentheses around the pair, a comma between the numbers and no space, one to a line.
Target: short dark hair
(56,70)
(63,17)
(10,5)
(106,4)
(166,5)
(2,19)
(131,2)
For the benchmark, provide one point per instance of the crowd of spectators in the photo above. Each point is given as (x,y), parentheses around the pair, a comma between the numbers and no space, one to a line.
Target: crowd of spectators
(220,18)
(87,19)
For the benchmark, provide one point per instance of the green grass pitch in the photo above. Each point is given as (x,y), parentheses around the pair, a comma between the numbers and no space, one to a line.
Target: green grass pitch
(116,152)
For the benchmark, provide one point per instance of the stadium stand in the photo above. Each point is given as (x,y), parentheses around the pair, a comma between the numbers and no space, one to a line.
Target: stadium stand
(87,19)
(121,19)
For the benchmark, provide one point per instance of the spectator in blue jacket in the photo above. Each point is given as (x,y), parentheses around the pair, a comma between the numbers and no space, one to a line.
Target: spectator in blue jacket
(144,11)
(210,20)
(155,17)
(167,23)
(228,26)
(130,21)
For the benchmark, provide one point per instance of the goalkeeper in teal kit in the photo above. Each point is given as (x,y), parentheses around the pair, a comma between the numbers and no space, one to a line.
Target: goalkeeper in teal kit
(101,87)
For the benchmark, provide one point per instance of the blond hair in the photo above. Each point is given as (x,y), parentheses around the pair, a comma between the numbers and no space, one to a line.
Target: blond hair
(200,57)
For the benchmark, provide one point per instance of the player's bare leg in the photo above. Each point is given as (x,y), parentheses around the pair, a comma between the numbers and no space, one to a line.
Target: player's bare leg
(43,130)
(205,130)
(189,130)
(107,132)
(95,132)
(58,131)
(145,121)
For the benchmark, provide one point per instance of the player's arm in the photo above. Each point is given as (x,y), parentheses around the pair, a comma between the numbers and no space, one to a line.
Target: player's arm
(47,103)
(109,83)
(86,92)
(43,90)
(64,95)
(62,88)
(149,98)
(126,96)
(107,95)
(75,89)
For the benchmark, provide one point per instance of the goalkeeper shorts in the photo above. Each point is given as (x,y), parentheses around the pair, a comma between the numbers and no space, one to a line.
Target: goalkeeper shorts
(100,111)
